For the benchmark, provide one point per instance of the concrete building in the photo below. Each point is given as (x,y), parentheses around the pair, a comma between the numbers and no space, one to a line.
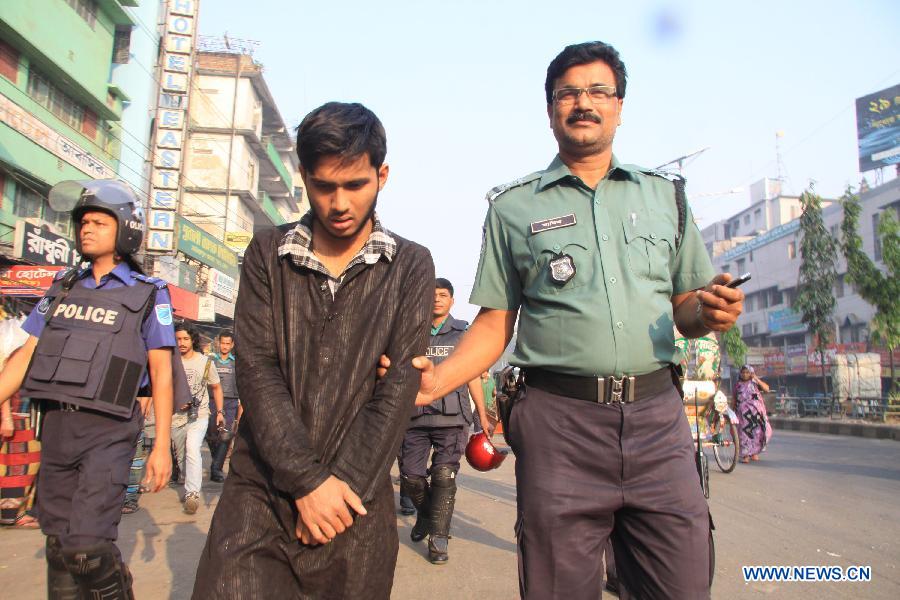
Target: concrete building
(780,344)
(60,113)
(132,70)
(240,163)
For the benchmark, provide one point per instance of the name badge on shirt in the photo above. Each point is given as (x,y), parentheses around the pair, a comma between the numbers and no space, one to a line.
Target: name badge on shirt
(554,223)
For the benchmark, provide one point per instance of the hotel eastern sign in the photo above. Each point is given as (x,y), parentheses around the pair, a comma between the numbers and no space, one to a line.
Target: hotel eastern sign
(171,115)
(46,137)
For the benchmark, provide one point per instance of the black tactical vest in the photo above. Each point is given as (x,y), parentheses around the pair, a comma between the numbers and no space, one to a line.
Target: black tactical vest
(226,377)
(454,408)
(91,353)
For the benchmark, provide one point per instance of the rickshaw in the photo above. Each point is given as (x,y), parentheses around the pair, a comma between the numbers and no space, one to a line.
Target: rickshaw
(713,423)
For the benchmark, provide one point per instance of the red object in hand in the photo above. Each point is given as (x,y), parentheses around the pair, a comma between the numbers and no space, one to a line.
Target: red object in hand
(482,454)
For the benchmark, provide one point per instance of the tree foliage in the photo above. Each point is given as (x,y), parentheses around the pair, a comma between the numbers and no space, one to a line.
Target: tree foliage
(735,346)
(818,252)
(880,289)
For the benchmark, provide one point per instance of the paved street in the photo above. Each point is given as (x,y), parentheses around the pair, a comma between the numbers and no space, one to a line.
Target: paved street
(812,500)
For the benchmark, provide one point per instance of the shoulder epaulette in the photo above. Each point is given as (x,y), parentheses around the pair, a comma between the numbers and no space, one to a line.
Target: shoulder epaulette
(505,187)
(680,199)
(60,274)
(155,281)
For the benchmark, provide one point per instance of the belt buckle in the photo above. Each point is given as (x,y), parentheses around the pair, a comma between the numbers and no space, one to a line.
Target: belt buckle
(621,390)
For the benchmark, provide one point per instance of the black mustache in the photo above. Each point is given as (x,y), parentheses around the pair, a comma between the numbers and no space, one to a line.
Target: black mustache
(583,115)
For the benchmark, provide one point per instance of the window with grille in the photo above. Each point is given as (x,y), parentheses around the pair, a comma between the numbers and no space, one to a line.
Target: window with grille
(9,61)
(27,203)
(55,100)
(122,44)
(86,9)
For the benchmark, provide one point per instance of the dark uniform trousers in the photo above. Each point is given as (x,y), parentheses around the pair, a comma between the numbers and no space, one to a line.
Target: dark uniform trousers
(582,465)
(449,444)
(85,464)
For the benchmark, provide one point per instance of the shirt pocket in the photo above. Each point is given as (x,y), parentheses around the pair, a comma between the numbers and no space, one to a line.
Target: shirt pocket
(577,242)
(649,249)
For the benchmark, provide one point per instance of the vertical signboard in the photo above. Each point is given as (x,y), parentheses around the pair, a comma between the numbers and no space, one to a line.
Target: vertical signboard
(171,116)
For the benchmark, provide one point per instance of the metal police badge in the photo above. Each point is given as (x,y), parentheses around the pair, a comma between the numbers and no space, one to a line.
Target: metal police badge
(562,269)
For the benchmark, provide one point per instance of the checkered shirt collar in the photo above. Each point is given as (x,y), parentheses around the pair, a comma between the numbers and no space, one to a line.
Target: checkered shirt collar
(297,243)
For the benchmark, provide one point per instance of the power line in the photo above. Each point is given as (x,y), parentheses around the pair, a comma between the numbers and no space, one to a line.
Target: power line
(153,155)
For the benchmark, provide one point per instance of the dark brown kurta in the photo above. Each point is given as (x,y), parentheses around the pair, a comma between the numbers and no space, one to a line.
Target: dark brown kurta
(312,407)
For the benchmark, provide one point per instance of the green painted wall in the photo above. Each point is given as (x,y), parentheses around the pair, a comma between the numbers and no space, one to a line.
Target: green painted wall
(286,177)
(17,94)
(64,46)
(271,211)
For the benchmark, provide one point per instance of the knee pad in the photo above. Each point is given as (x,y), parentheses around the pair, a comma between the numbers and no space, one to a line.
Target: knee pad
(60,583)
(443,498)
(415,488)
(443,476)
(99,571)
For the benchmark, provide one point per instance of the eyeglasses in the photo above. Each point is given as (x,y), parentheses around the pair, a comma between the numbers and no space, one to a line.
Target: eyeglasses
(598,94)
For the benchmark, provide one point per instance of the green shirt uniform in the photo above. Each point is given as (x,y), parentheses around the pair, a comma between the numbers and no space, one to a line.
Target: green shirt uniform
(614,315)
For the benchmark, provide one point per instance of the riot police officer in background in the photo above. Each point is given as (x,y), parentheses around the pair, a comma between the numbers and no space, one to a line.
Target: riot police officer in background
(219,437)
(444,427)
(97,335)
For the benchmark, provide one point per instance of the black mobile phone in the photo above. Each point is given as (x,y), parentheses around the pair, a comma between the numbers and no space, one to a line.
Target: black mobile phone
(738,281)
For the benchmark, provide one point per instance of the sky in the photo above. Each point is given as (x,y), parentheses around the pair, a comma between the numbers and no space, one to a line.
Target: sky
(458,85)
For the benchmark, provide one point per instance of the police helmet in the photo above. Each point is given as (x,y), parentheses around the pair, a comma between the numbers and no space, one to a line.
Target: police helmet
(107,195)
(482,454)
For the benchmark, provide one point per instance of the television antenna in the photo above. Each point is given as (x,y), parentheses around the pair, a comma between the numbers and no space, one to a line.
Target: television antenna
(681,161)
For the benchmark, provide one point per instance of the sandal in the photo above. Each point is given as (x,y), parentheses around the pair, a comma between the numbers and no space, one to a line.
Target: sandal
(26,521)
(130,507)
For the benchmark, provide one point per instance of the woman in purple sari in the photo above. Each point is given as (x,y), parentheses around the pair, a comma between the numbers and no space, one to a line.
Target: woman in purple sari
(753,422)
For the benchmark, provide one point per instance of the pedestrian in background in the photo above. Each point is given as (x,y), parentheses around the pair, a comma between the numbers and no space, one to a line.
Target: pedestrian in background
(202,377)
(754,430)
(219,437)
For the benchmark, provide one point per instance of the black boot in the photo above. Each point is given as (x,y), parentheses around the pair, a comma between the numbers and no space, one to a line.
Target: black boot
(407,508)
(60,583)
(443,497)
(416,489)
(216,472)
(99,571)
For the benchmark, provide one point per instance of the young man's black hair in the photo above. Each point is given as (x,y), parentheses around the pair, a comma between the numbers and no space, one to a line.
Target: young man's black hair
(340,129)
(583,54)
(226,333)
(195,335)
(444,284)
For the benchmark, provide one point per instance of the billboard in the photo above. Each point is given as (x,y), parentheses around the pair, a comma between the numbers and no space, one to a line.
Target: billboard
(878,128)
(24,280)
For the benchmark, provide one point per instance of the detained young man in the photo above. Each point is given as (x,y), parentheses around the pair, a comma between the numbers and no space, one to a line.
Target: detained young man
(307,510)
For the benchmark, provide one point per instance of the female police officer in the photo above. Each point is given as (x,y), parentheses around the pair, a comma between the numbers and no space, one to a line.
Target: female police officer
(94,338)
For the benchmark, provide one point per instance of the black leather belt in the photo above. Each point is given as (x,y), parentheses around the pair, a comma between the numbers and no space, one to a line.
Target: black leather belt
(605,390)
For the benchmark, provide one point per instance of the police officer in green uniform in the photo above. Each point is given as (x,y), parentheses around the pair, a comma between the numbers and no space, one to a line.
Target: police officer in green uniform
(599,259)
